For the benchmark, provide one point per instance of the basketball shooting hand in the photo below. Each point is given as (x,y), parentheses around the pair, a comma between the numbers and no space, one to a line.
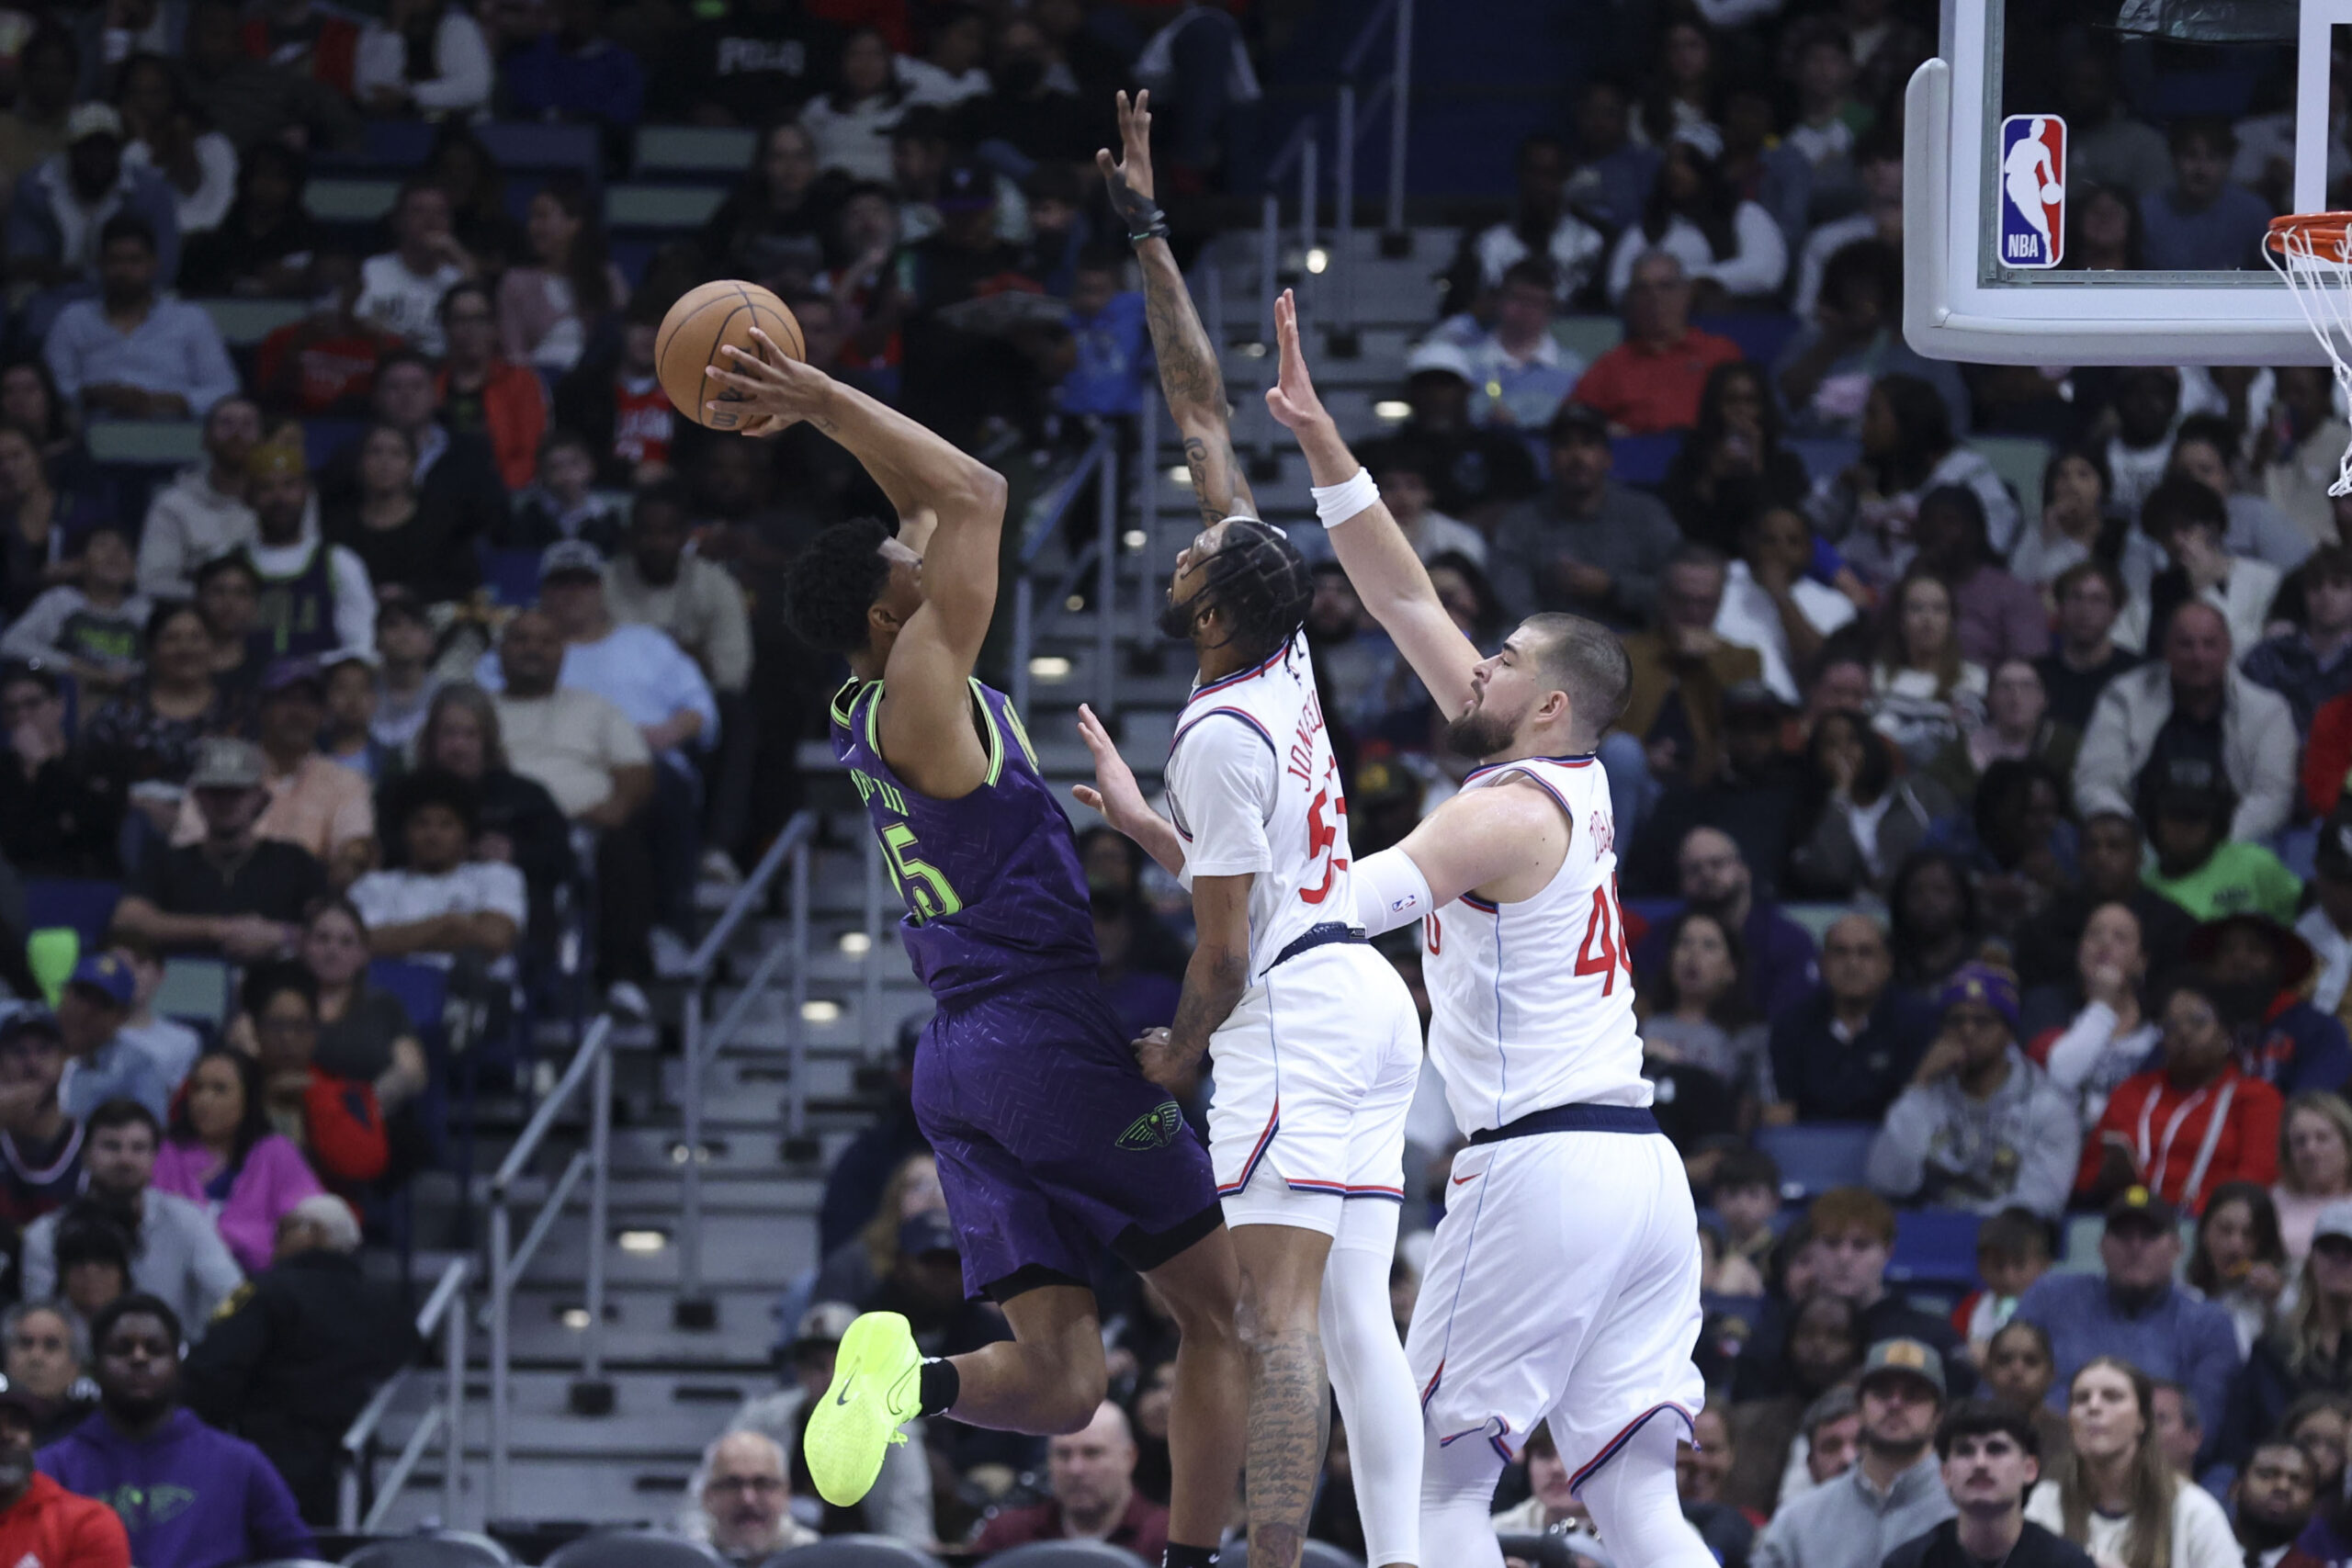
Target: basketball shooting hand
(780,390)
(1292,398)
(1130,177)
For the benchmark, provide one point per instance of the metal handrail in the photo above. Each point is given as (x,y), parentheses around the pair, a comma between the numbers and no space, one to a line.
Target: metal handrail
(590,1066)
(446,1415)
(1045,520)
(1303,147)
(701,1046)
(739,908)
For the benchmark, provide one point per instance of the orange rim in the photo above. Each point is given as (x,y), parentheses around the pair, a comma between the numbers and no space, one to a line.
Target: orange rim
(2318,228)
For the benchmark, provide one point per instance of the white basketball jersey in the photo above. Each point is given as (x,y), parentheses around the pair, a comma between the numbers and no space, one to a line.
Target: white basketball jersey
(1252,786)
(1531,1004)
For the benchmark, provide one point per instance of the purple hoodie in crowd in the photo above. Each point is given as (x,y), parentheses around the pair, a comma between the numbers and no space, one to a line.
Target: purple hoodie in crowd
(191,1497)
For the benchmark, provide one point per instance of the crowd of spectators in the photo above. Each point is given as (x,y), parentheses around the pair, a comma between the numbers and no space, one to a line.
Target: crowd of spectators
(1995,825)
(437,672)
(1985,823)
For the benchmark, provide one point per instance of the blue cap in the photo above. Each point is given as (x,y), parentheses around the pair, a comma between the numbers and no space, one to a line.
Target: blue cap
(107,975)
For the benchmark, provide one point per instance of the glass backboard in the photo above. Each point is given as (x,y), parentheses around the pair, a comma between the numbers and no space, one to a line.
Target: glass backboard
(2038,142)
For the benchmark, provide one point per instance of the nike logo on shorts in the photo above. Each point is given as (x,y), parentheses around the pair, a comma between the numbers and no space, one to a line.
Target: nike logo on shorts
(1463,1180)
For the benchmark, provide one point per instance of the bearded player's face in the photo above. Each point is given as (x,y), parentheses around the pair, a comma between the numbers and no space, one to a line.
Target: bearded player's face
(1504,691)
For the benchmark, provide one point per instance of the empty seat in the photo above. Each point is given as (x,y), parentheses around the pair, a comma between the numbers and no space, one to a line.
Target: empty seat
(454,1549)
(1067,1554)
(1935,1246)
(86,907)
(660,206)
(695,150)
(1815,1158)
(633,1549)
(148,442)
(1643,460)
(351,200)
(1762,334)
(854,1551)
(529,144)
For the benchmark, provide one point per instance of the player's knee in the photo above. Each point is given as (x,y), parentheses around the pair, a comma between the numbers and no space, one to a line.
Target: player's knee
(1079,1395)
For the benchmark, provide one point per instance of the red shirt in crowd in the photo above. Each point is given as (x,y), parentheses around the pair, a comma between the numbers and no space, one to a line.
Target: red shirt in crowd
(1645,389)
(2185,1142)
(2327,755)
(51,1527)
(1142,1530)
(643,420)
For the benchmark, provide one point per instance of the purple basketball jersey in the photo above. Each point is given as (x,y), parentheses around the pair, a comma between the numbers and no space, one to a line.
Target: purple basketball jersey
(995,894)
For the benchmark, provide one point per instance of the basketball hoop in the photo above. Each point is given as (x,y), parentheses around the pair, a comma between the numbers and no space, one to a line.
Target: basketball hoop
(2313,251)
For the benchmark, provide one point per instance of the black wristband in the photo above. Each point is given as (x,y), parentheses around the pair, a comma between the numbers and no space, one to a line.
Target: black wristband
(1142,216)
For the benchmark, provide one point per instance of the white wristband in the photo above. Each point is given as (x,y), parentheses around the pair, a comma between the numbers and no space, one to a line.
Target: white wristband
(1335,504)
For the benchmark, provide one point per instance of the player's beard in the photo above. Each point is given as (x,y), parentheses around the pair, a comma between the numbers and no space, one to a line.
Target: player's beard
(1479,733)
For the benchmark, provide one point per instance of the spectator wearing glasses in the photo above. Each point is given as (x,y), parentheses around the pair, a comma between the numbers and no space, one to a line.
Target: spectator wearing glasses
(743,1510)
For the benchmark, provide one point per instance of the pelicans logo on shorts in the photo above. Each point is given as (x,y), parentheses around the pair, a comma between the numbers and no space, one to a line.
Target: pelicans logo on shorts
(1155,1129)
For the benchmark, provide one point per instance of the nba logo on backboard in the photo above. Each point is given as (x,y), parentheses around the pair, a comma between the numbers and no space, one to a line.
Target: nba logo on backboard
(2033,190)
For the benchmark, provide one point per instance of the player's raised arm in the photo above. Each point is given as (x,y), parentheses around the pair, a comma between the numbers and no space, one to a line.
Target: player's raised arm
(926,707)
(1388,576)
(1189,374)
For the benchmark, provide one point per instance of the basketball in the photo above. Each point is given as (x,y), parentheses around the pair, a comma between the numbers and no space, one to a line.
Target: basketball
(2052,193)
(700,325)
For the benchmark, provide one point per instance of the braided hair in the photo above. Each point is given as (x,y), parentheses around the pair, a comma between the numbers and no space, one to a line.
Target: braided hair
(1261,584)
(831,585)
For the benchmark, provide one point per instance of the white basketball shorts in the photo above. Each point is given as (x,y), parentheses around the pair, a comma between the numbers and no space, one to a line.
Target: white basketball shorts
(1561,1283)
(1316,1069)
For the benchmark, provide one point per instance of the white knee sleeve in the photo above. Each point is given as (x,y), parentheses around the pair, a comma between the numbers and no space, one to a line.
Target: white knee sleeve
(1635,1507)
(1373,1383)
(1457,1505)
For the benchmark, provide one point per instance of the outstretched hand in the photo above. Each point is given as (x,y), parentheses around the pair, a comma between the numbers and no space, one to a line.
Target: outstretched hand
(1130,177)
(1292,398)
(1114,793)
(775,388)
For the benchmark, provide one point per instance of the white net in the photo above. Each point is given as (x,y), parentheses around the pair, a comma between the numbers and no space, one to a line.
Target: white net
(2314,255)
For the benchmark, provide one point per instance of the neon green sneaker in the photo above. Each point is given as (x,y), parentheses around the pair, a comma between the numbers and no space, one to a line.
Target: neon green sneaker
(877,1381)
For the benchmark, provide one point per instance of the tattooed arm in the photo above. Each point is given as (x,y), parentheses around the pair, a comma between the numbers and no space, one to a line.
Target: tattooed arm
(1189,373)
